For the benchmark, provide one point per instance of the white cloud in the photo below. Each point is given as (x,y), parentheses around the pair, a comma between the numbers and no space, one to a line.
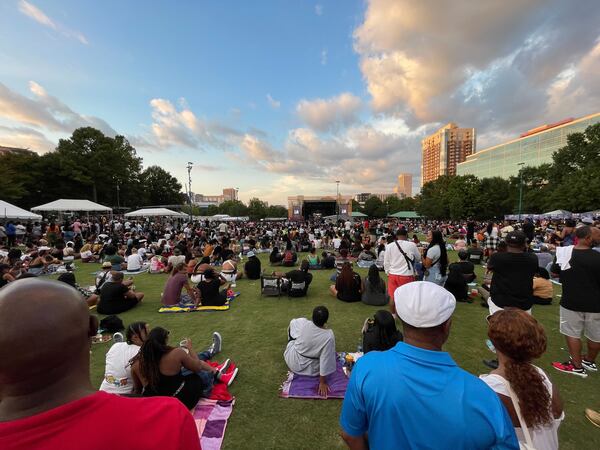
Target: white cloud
(275,104)
(39,16)
(324,57)
(25,137)
(319,10)
(326,114)
(433,64)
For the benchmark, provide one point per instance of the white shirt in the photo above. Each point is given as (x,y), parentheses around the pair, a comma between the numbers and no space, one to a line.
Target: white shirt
(434,254)
(544,438)
(176,259)
(312,351)
(336,243)
(117,371)
(394,262)
(134,262)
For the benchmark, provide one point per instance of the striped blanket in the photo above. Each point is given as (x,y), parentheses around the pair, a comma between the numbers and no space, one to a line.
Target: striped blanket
(305,386)
(211,418)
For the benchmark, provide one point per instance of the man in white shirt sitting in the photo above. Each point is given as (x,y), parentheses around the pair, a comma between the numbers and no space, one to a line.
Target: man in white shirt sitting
(134,261)
(399,263)
(311,347)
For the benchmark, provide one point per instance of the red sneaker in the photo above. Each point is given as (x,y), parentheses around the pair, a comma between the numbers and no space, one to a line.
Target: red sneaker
(568,367)
(228,378)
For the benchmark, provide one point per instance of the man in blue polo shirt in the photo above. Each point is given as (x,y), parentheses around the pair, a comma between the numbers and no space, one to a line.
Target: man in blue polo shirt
(414,395)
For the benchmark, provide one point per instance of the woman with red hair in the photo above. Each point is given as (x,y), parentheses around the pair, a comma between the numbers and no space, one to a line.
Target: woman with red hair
(530,398)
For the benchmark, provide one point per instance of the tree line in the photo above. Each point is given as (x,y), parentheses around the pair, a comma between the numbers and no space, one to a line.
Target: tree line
(256,209)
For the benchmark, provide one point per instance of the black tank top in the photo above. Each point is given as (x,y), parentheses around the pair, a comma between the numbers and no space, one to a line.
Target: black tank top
(188,389)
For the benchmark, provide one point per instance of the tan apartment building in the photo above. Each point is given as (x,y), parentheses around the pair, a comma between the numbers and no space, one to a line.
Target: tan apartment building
(444,149)
(404,188)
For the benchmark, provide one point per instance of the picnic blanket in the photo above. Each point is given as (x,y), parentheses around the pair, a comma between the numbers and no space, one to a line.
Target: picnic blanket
(211,418)
(191,308)
(305,386)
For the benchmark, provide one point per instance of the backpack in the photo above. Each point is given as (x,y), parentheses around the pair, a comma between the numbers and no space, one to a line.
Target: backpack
(288,256)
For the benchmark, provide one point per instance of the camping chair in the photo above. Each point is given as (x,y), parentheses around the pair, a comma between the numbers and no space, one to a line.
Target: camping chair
(270,286)
(296,287)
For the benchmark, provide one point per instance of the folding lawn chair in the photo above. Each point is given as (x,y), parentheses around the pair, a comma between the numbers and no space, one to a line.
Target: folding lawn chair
(270,286)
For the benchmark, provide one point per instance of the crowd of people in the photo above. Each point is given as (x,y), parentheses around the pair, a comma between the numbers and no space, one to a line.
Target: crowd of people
(432,402)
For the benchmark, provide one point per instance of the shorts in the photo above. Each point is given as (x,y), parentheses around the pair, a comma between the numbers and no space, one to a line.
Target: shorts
(576,323)
(229,277)
(395,281)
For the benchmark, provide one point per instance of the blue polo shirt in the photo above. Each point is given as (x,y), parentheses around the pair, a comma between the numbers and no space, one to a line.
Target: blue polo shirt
(408,398)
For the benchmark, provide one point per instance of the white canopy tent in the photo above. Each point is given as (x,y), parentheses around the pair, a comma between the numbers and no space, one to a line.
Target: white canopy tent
(8,211)
(155,212)
(67,205)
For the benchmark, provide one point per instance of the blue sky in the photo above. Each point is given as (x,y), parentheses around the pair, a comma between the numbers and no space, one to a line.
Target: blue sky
(284,97)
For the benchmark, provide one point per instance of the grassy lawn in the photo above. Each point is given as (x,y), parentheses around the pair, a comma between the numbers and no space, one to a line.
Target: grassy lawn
(254,336)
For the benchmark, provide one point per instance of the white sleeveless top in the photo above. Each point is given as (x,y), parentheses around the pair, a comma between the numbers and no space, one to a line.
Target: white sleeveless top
(544,438)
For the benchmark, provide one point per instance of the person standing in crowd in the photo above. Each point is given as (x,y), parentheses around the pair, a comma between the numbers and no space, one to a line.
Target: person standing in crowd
(529,230)
(311,348)
(579,269)
(431,402)
(435,260)
(46,398)
(470,231)
(399,262)
(519,339)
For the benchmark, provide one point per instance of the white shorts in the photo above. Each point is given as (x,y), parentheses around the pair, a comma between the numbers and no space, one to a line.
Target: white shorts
(575,323)
(230,277)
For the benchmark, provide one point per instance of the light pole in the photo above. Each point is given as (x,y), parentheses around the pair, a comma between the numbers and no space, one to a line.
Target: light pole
(521,164)
(118,199)
(337,200)
(189,169)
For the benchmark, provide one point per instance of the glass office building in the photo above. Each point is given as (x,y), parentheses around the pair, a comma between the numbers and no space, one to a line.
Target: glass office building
(533,148)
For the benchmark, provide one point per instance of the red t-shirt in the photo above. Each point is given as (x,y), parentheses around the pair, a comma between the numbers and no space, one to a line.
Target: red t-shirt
(103,421)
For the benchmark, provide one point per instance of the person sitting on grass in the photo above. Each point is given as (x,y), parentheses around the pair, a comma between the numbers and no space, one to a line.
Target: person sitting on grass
(339,262)
(296,282)
(366,258)
(311,348)
(104,275)
(117,295)
(5,275)
(289,256)
(327,260)
(380,332)
(348,286)
(543,292)
(252,268)
(117,261)
(456,284)
(47,399)
(467,268)
(229,270)
(519,339)
(178,280)
(69,278)
(157,265)
(275,257)
(117,369)
(374,290)
(211,293)
(158,370)
(134,261)
(313,259)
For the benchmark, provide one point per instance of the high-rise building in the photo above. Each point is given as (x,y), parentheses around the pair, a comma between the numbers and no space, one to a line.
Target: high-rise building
(404,185)
(533,148)
(444,149)
(230,194)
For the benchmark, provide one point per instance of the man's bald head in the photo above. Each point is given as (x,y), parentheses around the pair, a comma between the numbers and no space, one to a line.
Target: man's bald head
(46,328)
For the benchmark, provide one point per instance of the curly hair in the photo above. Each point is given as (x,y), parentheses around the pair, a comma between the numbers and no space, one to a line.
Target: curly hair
(518,336)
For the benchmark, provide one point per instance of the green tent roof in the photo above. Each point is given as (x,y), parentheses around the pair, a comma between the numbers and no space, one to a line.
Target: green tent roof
(405,215)
(358,214)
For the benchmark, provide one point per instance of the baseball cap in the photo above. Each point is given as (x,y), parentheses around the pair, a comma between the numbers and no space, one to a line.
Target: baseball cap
(106,265)
(516,238)
(423,304)
(250,254)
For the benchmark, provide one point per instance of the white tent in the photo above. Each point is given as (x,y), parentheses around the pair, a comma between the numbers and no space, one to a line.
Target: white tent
(154,212)
(67,204)
(558,214)
(8,211)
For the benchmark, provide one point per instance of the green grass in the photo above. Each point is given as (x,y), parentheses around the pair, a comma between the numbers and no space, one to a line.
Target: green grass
(254,336)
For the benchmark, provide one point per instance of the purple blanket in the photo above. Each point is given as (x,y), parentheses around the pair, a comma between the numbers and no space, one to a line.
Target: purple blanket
(304,386)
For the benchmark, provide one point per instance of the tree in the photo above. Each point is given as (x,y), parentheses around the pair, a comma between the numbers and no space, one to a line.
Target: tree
(234,208)
(277,211)
(372,207)
(257,209)
(160,187)
(97,164)
(356,207)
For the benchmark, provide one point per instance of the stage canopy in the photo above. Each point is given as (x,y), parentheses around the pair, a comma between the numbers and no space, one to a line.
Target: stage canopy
(155,212)
(358,214)
(8,211)
(67,204)
(405,215)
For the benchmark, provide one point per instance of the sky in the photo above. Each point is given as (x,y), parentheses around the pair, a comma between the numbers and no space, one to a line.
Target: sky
(282,98)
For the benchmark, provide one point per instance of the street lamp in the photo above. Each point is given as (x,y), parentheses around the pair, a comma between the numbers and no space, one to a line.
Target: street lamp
(521,164)
(337,200)
(189,169)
